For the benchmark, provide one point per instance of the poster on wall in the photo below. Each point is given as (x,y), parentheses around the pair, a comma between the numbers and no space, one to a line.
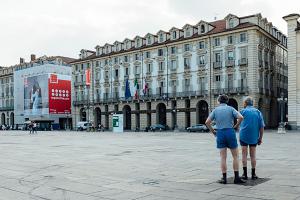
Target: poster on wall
(59,94)
(36,95)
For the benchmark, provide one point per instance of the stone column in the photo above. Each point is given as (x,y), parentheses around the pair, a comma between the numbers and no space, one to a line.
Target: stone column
(293,72)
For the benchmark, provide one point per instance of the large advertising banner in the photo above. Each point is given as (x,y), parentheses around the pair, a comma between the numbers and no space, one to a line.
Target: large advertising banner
(36,95)
(59,94)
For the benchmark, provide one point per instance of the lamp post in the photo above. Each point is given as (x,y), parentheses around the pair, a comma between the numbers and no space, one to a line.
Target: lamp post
(282,100)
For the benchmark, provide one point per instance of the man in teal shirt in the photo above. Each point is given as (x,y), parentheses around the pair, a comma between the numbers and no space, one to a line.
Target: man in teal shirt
(251,133)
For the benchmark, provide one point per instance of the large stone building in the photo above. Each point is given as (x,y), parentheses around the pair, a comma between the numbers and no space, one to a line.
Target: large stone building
(7,93)
(181,72)
(294,69)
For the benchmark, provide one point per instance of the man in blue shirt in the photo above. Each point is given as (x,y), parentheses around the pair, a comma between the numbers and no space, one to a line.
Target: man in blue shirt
(224,116)
(251,133)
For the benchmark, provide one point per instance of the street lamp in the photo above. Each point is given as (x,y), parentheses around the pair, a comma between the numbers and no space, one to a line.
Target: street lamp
(282,100)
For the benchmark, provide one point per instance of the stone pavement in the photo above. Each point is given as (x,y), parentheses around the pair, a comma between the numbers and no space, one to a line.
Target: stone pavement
(142,166)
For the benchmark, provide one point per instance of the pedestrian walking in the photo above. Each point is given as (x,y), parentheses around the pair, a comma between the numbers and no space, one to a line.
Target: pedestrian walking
(30,127)
(224,117)
(251,134)
(34,125)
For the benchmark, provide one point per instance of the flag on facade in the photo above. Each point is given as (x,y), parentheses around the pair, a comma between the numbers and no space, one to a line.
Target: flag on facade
(127,90)
(145,90)
(88,77)
(136,86)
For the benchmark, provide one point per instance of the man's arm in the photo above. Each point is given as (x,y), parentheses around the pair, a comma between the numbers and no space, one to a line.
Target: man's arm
(208,124)
(261,133)
(239,120)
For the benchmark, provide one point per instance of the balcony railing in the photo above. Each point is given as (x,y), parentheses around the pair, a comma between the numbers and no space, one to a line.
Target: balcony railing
(243,61)
(6,108)
(229,63)
(217,65)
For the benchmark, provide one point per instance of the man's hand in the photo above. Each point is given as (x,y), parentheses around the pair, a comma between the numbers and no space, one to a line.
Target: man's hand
(259,141)
(214,132)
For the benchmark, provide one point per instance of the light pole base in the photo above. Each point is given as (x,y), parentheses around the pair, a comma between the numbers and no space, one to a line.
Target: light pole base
(281,128)
(176,129)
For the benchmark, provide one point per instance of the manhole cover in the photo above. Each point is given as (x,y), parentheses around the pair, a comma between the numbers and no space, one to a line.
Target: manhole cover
(151,182)
(249,182)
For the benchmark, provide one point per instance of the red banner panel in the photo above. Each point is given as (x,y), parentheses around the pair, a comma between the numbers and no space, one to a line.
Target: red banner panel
(59,94)
(88,77)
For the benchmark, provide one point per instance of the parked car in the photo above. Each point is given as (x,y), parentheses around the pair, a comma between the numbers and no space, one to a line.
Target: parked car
(83,126)
(157,127)
(198,128)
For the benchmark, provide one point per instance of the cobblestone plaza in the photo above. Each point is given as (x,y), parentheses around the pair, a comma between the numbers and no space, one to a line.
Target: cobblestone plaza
(143,166)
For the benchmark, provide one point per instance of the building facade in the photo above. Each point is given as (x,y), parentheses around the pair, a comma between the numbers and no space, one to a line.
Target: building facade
(8,108)
(175,77)
(293,27)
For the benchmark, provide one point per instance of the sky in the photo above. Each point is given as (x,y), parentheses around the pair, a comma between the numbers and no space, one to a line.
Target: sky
(64,27)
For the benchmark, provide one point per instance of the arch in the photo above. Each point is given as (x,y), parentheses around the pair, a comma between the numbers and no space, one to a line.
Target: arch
(233,103)
(161,114)
(2,118)
(201,112)
(97,116)
(82,114)
(12,118)
(127,117)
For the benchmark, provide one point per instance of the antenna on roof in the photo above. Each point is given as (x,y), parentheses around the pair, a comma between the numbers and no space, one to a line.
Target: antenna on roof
(215,17)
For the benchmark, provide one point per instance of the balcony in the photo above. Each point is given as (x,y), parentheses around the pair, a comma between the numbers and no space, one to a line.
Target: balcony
(217,65)
(229,63)
(80,102)
(201,65)
(7,108)
(202,92)
(76,84)
(187,67)
(243,61)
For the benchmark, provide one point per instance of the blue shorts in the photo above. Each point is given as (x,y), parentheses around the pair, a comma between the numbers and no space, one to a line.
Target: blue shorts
(226,138)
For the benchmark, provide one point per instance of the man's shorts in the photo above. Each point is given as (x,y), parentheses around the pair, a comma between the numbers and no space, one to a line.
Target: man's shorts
(246,144)
(226,138)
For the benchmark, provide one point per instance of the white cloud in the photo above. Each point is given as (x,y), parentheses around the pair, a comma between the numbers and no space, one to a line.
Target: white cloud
(63,27)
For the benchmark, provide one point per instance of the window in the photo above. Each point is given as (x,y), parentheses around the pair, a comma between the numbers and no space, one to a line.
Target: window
(201,45)
(173,64)
(174,34)
(186,63)
(138,42)
(161,37)
(116,73)
(116,60)
(202,29)
(218,57)
(76,67)
(76,79)
(148,54)
(202,60)
(149,68)
(243,53)
(137,70)
(217,41)
(106,74)
(149,40)
(218,78)
(230,55)
(187,82)
(173,50)
(97,63)
(137,56)
(231,23)
(188,32)
(230,39)
(173,83)
(106,62)
(160,52)
(126,71)
(187,47)
(161,66)
(243,37)
(126,59)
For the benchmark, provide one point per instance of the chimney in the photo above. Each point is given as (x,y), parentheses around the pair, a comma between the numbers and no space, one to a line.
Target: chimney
(22,60)
(32,57)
